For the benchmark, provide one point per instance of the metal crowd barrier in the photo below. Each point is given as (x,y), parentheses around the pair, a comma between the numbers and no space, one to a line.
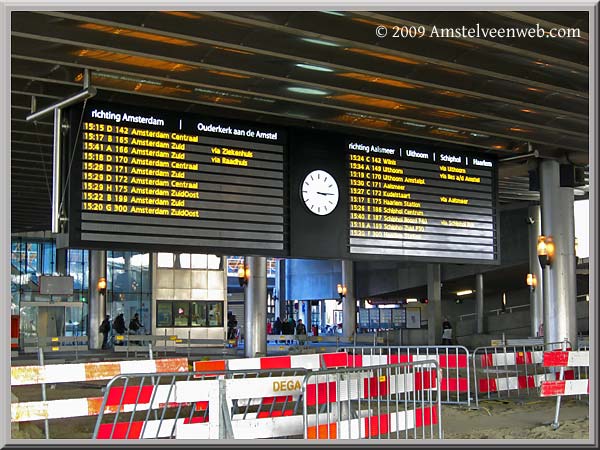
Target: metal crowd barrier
(563,386)
(214,404)
(60,344)
(391,401)
(267,404)
(89,373)
(511,371)
(135,343)
(455,379)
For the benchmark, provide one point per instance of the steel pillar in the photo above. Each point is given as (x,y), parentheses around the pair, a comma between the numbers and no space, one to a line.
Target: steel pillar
(479,303)
(434,307)
(349,302)
(255,317)
(560,290)
(536,299)
(97,305)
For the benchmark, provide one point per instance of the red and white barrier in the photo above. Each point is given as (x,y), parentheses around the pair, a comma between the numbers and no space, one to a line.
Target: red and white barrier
(567,386)
(70,373)
(118,400)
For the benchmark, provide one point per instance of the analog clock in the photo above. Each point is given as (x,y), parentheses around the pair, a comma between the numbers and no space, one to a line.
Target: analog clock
(320,192)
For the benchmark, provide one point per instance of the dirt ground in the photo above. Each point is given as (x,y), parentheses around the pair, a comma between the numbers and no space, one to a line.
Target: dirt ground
(517,420)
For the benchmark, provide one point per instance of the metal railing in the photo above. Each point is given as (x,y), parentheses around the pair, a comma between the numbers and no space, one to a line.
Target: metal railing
(455,378)
(510,371)
(391,401)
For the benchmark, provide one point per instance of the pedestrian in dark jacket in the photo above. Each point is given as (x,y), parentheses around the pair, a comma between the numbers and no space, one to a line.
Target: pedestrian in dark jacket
(135,325)
(105,330)
(300,332)
(277,326)
(119,324)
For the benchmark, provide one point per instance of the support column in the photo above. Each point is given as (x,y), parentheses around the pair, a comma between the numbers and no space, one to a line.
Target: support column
(479,298)
(255,317)
(349,303)
(308,316)
(97,305)
(61,261)
(560,291)
(434,307)
(536,299)
(280,287)
(323,307)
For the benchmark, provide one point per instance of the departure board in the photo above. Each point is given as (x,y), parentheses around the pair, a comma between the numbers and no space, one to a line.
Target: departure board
(159,178)
(420,203)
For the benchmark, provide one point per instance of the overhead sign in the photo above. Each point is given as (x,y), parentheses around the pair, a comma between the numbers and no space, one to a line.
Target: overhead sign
(161,179)
(412,202)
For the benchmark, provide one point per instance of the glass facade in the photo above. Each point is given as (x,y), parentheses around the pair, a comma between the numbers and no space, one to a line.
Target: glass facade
(31,259)
(129,286)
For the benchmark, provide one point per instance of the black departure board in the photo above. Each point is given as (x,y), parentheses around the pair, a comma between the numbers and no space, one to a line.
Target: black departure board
(413,202)
(160,178)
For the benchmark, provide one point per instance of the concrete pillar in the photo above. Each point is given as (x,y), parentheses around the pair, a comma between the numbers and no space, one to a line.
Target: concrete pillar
(280,288)
(479,302)
(323,307)
(97,305)
(434,307)
(349,303)
(560,291)
(308,316)
(61,261)
(255,329)
(536,299)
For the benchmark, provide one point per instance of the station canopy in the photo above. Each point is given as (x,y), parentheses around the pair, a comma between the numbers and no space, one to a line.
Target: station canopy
(322,70)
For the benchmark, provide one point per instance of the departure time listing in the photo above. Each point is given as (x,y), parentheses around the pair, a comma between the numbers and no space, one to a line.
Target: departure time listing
(130,170)
(401,193)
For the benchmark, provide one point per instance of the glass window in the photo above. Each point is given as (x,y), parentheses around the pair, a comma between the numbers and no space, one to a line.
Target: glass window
(181,314)
(164,314)
(215,314)
(165,260)
(199,312)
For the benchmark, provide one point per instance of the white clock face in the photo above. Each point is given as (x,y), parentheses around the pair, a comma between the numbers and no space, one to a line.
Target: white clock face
(320,192)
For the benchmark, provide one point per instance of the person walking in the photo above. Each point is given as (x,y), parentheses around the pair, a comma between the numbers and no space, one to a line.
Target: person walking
(119,326)
(105,330)
(446,332)
(135,326)
(231,326)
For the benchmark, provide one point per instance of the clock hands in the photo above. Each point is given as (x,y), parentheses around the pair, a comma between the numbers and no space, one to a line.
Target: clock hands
(325,193)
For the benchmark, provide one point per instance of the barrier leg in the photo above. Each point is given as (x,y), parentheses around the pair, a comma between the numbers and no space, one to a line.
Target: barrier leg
(555,423)
(46,424)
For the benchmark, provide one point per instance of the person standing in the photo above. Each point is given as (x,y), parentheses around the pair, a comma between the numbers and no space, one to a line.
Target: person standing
(300,332)
(277,326)
(446,332)
(105,330)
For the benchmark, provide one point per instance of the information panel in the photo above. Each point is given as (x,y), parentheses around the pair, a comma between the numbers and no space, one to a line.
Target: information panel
(158,178)
(420,203)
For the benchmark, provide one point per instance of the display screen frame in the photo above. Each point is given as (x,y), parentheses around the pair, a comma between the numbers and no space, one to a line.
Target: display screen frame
(251,236)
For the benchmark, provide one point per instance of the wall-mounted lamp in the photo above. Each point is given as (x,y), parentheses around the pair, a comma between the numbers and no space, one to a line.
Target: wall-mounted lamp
(101,285)
(531,280)
(341,290)
(465,292)
(412,300)
(243,275)
(504,302)
(545,250)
